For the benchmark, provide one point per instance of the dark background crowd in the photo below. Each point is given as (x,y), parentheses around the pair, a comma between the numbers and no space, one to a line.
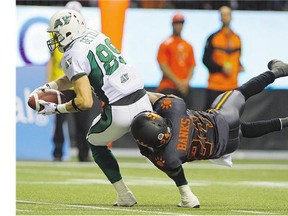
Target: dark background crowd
(270,5)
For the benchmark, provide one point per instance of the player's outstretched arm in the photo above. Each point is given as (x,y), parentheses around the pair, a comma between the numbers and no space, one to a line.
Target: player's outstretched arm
(63,83)
(60,84)
(154,96)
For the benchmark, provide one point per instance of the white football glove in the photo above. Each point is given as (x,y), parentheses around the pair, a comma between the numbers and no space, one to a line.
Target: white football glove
(39,88)
(51,85)
(49,108)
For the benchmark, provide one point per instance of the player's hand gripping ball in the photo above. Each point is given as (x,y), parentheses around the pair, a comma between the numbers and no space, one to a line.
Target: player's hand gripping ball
(49,95)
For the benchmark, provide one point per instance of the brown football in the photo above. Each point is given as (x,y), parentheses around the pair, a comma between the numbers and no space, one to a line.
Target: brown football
(49,95)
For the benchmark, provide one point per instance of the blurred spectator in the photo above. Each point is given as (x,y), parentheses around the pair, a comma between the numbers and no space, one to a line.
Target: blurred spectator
(207,4)
(74,5)
(222,58)
(35,2)
(152,4)
(80,120)
(186,4)
(53,2)
(278,5)
(177,62)
(234,4)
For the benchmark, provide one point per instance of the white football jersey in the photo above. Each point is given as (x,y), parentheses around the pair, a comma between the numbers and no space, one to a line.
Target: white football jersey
(110,76)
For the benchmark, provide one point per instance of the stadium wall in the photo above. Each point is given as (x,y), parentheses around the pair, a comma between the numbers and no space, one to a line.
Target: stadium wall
(262,32)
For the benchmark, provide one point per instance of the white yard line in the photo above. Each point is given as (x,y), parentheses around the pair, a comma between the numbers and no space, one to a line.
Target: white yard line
(97,178)
(159,182)
(255,212)
(23,210)
(149,165)
(127,209)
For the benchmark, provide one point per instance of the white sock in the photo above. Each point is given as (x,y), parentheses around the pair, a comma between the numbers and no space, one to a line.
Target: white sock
(185,190)
(188,199)
(120,187)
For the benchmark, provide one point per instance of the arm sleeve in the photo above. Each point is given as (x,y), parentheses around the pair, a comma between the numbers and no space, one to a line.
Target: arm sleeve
(167,102)
(207,57)
(176,174)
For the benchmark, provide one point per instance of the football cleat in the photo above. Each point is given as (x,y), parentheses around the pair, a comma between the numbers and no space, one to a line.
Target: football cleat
(189,202)
(279,68)
(126,200)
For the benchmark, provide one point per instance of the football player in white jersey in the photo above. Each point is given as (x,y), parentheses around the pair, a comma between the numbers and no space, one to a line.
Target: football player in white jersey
(93,65)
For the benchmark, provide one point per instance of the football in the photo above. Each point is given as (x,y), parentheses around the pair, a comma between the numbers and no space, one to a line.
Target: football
(49,95)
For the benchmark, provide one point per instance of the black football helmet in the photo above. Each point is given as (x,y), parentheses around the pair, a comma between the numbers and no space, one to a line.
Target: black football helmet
(151,130)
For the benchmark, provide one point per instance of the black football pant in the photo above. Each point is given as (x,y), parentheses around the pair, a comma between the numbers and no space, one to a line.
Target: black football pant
(211,95)
(231,105)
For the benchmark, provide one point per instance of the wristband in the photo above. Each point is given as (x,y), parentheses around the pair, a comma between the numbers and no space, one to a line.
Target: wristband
(52,85)
(61,108)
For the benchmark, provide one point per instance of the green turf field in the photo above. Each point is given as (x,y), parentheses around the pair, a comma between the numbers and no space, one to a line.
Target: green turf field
(72,188)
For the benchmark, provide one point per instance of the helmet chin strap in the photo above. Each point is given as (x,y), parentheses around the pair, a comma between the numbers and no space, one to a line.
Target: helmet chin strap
(62,49)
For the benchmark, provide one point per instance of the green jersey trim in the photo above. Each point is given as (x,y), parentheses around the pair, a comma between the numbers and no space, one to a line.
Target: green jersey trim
(105,121)
(96,77)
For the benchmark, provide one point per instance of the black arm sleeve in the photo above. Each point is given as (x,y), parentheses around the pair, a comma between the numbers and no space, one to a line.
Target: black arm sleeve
(207,57)
(177,174)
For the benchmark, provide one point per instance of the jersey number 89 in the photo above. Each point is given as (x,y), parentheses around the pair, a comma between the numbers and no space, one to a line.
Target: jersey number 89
(109,56)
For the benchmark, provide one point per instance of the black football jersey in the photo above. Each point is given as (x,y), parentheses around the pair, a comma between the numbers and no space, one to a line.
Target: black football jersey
(196,135)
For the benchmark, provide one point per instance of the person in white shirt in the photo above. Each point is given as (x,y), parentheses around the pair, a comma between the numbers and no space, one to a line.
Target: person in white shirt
(92,64)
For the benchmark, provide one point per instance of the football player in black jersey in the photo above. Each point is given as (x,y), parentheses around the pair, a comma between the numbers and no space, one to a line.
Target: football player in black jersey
(173,134)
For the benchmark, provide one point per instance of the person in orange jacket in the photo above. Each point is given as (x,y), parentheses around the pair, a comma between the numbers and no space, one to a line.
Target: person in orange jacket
(222,58)
(176,60)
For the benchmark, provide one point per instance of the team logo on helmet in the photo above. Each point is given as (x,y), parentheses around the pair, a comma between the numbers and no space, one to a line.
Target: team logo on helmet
(164,138)
(62,21)
(153,116)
